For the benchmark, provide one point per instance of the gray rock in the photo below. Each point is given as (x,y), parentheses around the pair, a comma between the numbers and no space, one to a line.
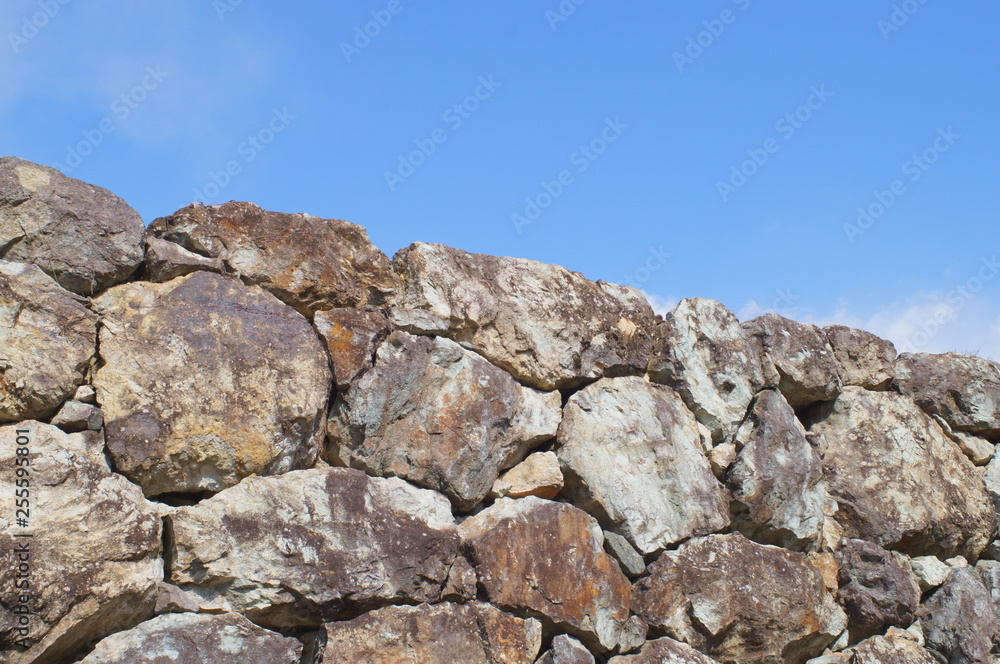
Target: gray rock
(85,394)
(77,416)
(440,416)
(631,455)
(567,650)
(929,571)
(959,620)
(631,560)
(865,360)
(549,327)
(664,651)
(166,260)
(989,574)
(877,589)
(891,650)
(351,337)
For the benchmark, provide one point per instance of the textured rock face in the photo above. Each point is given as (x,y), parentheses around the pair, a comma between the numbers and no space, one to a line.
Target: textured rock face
(48,339)
(93,562)
(307,262)
(567,650)
(865,360)
(299,549)
(665,651)
(473,633)
(963,389)
(538,475)
(959,620)
(351,337)
(877,589)
(740,602)
(438,415)
(898,480)
(796,358)
(890,650)
(83,236)
(777,479)
(631,453)
(701,351)
(549,327)
(207,381)
(166,260)
(545,557)
(190,638)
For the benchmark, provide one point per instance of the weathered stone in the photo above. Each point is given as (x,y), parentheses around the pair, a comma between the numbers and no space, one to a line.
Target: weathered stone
(740,602)
(865,360)
(171,599)
(538,475)
(83,236)
(351,337)
(721,458)
(47,341)
(76,416)
(963,389)
(929,572)
(85,393)
(440,416)
(549,327)
(701,351)
(877,589)
(991,476)
(959,620)
(631,561)
(796,359)
(979,450)
(567,650)
(307,262)
(206,381)
(897,478)
(890,650)
(631,455)
(664,651)
(94,559)
(989,574)
(777,480)
(475,633)
(548,558)
(190,638)
(300,549)
(166,260)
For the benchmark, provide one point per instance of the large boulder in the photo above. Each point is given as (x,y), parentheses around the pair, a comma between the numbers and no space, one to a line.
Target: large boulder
(440,416)
(877,589)
(632,455)
(190,638)
(549,327)
(474,633)
(664,651)
(548,558)
(890,650)
(701,351)
(48,340)
(567,650)
(301,549)
(777,479)
(307,262)
(797,359)
(89,546)
(740,602)
(206,381)
(83,236)
(963,389)
(865,360)
(959,620)
(899,481)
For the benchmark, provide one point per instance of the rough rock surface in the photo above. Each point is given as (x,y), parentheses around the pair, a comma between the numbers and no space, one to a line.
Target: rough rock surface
(701,351)
(567,650)
(47,341)
(440,416)
(664,651)
(865,360)
(877,589)
(83,236)
(206,381)
(299,549)
(898,480)
(959,620)
(549,327)
(777,479)
(351,337)
(740,602)
(166,260)
(548,558)
(890,650)
(307,262)
(78,416)
(963,389)
(621,549)
(474,633)
(538,475)
(190,638)
(797,359)
(94,559)
(632,456)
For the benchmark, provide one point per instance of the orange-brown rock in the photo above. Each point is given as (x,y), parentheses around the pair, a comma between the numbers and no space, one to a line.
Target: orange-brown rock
(351,337)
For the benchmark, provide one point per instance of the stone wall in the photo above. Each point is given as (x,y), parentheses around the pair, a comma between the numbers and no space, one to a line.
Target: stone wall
(245,436)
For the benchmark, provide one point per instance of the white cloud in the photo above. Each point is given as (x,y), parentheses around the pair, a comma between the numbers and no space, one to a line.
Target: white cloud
(660,304)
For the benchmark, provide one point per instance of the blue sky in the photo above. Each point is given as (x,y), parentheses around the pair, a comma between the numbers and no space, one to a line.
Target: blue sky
(715,149)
